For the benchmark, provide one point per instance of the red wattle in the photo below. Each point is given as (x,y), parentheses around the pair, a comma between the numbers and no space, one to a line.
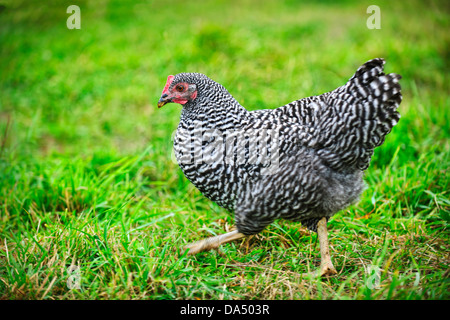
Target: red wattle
(181,101)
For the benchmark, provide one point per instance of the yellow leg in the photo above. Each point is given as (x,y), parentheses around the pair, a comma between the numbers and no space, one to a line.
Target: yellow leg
(213,242)
(326,266)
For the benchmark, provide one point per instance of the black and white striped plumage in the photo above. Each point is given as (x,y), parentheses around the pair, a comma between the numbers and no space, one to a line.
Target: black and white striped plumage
(318,147)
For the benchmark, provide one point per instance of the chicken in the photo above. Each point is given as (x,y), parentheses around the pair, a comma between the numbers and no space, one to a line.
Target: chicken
(302,162)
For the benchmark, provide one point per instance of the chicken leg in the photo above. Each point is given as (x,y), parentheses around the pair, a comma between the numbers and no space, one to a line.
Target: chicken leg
(326,266)
(213,242)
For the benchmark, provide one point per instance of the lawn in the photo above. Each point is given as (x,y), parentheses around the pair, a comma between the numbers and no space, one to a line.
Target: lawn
(93,206)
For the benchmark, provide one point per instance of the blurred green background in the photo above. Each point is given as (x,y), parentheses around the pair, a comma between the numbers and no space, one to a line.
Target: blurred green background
(83,144)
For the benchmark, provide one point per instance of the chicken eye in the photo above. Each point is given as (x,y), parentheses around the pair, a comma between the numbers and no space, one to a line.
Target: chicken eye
(179,88)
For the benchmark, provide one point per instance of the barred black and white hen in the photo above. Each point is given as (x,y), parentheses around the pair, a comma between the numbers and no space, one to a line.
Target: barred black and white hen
(303,161)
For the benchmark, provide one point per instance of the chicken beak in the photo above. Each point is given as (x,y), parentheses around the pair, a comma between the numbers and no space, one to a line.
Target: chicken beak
(164,100)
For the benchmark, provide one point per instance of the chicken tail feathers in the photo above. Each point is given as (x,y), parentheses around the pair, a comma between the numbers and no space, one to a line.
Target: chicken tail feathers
(359,116)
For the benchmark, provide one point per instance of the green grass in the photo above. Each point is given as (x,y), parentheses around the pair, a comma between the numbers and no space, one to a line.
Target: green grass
(86,176)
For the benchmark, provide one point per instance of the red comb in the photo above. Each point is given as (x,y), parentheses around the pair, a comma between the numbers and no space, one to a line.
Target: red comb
(169,81)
